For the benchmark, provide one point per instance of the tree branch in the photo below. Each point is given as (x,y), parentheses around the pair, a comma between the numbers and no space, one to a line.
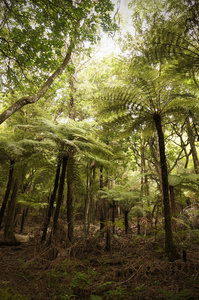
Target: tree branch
(34,98)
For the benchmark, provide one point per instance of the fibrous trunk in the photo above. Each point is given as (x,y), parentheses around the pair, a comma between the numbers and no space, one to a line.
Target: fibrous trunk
(9,236)
(8,189)
(192,145)
(52,200)
(169,245)
(126,221)
(70,200)
(60,192)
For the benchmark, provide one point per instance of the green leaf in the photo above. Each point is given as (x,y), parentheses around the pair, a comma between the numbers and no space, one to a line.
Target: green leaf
(174,180)
(95,297)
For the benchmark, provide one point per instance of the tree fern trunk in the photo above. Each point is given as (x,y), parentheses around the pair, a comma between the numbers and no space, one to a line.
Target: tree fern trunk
(92,206)
(113,216)
(60,193)
(70,200)
(9,236)
(24,215)
(169,245)
(52,200)
(87,204)
(102,217)
(8,189)
(126,221)
(192,145)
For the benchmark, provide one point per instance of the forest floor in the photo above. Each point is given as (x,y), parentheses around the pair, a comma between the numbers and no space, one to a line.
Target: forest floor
(135,268)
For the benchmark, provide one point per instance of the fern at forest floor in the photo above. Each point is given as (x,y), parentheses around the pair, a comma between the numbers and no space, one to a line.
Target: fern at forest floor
(134,269)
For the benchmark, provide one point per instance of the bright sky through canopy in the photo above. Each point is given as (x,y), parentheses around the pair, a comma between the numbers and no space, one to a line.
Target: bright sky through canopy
(109,44)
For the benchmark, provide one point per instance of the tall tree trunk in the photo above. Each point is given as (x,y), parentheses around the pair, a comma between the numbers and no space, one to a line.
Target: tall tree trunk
(92,183)
(24,215)
(8,189)
(72,96)
(52,200)
(102,216)
(71,163)
(70,199)
(173,205)
(87,204)
(153,141)
(192,145)
(144,180)
(170,248)
(60,193)
(113,216)
(172,199)
(9,236)
(126,221)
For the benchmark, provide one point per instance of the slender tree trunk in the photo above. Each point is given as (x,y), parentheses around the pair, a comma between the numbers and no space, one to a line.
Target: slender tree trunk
(113,216)
(60,193)
(24,215)
(108,239)
(138,225)
(72,96)
(173,205)
(8,189)
(192,145)
(170,248)
(92,207)
(102,217)
(70,199)
(52,200)
(154,152)
(9,236)
(126,221)
(172,199)
(87,205)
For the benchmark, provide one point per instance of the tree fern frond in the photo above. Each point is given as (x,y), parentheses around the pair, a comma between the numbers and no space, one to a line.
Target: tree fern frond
(97,159)
(43,177)
(167,44)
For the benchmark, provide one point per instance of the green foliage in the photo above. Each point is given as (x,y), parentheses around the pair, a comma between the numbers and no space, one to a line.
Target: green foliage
(139,290)
(106,284)
(80,280)
(174,180)
(118,293)
(34,33)
(182,295)
(187,237)
(10,294)
(118,224)
(137,211)
(95,297)
(195,236)
(181,221)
